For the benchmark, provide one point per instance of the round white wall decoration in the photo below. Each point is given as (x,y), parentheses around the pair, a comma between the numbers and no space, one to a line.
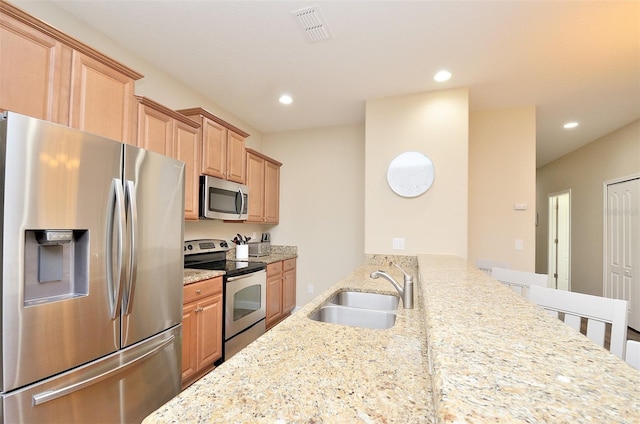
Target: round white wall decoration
(410,174)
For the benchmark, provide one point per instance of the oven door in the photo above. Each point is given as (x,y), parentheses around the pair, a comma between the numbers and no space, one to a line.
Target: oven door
(245,302)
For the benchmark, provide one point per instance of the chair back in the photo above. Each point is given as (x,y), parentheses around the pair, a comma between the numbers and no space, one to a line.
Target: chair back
(598,311)
(633,354)
(519,281)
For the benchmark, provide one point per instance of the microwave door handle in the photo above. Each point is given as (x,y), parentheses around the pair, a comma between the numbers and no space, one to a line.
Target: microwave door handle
(241,202)
(133,246)
(116,211)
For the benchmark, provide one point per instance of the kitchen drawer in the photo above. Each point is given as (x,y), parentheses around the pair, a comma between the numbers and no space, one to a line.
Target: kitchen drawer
(202,289)
(274,268)
(289,264)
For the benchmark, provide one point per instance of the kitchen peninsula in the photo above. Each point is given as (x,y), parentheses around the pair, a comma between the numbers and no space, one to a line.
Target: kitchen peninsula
(491,357)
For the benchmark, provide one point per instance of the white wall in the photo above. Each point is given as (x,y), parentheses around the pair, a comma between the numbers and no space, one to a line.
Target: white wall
(502,172)
(321,202)
(436,124)
(584,171)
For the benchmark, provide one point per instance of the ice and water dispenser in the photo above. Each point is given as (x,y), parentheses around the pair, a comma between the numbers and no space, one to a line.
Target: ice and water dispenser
(56,265)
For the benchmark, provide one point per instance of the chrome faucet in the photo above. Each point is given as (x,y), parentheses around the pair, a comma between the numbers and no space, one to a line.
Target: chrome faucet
(405,292)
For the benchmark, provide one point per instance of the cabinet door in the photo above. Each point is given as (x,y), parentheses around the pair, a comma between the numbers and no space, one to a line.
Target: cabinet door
(255,182)
(155,130)
(35,72)
(214,147)
(102,100)
(274,293)
(210,330)
(187,149)
(271,192)
(236,157)
(189,341)
(289,286)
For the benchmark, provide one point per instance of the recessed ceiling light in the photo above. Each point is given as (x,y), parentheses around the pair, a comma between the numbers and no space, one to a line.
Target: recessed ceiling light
(569,125)
(285,99)
(442,76)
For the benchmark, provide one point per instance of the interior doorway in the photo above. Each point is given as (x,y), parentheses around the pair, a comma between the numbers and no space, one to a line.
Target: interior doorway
(559,260)
(622,244)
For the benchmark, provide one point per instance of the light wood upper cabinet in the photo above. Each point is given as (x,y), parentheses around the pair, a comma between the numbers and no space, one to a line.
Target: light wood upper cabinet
(255,181)
(272,192)
(236,157)
(102,100)
(155,127)
(49,75)
(187,149)
(35,69)
(167,132)
(222,144)
(263,179)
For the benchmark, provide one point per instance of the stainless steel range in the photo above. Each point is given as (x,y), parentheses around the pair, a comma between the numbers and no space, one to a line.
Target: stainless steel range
(244,291)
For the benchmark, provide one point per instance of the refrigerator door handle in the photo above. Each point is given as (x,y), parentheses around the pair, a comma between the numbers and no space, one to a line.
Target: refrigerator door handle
(133,245)
(116,214)
(40,398)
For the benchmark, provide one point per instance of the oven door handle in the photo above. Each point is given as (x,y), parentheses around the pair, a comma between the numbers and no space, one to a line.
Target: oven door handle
(247,275)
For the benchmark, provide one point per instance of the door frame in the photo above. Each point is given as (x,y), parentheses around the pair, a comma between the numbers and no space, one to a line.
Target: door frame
(550,247)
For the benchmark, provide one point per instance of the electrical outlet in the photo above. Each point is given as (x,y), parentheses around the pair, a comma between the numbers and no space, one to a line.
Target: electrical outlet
(519,244)
(310,288)
(398,243)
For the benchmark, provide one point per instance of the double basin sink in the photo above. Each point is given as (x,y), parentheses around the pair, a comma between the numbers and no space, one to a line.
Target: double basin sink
(359,309)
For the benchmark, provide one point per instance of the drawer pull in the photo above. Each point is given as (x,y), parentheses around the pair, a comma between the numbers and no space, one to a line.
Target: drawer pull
(198,291)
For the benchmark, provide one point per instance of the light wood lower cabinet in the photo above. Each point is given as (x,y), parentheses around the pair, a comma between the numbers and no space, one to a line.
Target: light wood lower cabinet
(201,328)
(281,290)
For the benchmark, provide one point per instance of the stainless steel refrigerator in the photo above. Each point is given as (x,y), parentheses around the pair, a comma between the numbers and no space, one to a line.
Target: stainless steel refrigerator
(92,238)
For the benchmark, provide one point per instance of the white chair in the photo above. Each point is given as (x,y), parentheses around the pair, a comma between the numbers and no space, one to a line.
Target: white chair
(485,265)
(633,354)
(519,281)
(599,311)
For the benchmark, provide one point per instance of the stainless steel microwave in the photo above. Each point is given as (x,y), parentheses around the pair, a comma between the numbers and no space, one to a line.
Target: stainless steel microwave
(221,199)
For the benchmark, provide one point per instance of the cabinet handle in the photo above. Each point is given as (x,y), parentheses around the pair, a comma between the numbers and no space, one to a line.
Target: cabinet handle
(198,291)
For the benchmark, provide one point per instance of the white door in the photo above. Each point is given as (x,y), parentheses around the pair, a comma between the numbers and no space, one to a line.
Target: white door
(559,262)
(622,229)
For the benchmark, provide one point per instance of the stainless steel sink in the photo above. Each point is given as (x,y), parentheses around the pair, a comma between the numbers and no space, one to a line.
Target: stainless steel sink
(355,317)
(365,300)
(359,309)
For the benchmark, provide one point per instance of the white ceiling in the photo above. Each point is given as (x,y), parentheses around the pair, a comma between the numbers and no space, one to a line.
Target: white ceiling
(573,60)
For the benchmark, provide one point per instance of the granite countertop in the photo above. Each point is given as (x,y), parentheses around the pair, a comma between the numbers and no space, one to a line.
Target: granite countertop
(195,275)
(334,373)
(498,358)
(491,357)
(280,253)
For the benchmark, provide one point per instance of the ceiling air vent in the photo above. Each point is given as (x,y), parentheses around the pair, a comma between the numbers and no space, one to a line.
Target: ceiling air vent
(311,23)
